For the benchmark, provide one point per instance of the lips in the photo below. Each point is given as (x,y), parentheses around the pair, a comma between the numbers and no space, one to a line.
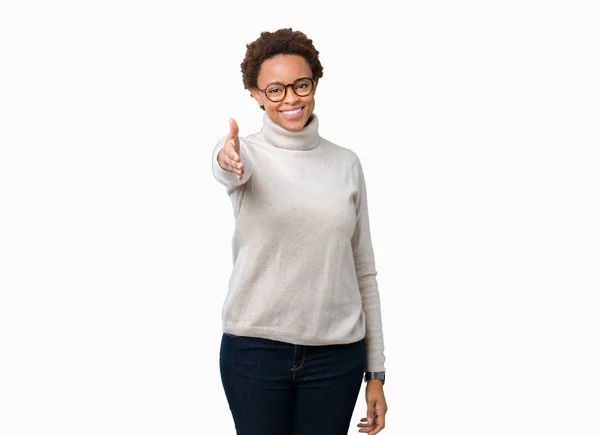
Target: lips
(292,114)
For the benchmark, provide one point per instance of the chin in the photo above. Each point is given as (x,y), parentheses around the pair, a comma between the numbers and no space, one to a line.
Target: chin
(293,126)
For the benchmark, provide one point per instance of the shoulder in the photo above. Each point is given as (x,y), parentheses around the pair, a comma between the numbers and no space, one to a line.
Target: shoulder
(340,153)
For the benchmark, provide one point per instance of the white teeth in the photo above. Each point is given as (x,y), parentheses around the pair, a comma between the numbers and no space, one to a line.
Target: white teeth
(292,112)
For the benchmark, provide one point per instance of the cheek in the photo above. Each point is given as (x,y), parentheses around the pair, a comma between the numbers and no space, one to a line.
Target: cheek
(261,99)
(269,105)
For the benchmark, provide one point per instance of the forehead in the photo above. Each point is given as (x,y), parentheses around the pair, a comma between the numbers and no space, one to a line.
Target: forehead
(283,68)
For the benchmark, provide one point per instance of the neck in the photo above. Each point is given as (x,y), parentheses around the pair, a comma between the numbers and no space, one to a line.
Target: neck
(304,139)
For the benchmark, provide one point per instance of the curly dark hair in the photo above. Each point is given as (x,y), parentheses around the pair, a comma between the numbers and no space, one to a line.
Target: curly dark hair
(271,44)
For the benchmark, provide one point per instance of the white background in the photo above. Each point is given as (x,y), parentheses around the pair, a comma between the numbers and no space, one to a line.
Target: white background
(477,124)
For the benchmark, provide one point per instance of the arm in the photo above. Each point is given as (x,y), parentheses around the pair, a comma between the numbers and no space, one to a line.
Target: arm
(364,262)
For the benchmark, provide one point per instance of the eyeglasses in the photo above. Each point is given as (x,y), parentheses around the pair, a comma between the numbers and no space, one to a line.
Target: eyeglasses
(276,91)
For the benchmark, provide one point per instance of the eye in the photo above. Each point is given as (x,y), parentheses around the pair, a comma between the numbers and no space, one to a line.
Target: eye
(274,90)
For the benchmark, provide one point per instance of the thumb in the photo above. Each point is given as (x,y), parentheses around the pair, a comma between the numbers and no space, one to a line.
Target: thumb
(370,412)
(233,129)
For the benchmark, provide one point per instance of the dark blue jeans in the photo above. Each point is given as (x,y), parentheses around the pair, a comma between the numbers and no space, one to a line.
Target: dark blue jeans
(277,388)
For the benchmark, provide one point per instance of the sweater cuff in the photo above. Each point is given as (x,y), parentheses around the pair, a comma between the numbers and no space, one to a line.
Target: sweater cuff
(374,343)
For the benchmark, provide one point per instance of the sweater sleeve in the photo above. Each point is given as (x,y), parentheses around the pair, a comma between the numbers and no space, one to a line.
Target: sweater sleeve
(227,178)
(364,263)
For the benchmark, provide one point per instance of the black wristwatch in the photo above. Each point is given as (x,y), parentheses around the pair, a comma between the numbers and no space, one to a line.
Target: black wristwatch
(375,375)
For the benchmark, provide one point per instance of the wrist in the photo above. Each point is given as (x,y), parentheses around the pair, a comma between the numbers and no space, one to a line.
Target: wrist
(375,376)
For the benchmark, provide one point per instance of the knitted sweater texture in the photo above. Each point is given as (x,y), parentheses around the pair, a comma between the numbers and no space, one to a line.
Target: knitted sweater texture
(303,263)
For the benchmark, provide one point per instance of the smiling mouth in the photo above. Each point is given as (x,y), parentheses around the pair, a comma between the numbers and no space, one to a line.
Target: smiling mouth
(292,113)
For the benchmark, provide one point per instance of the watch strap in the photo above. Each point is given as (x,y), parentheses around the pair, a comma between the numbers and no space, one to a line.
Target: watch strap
(375,375)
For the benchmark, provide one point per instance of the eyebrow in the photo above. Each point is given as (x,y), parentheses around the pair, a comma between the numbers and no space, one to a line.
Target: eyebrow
(281,83)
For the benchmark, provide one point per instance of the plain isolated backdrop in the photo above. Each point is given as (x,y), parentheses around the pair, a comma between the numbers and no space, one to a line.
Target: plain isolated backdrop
(478,127)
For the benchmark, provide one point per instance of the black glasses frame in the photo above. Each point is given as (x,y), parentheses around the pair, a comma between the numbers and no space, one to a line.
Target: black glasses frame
(286,86)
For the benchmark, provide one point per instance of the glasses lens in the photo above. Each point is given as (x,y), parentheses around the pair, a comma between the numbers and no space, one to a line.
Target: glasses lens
(303,87)
(275,92)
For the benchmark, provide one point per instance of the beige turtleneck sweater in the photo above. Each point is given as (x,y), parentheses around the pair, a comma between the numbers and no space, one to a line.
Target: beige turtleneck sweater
(303,263)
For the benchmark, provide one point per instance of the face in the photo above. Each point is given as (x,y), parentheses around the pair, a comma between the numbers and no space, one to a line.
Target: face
(285,69)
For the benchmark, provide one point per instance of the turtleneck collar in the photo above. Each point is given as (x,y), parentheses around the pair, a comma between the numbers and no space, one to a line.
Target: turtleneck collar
(304,139)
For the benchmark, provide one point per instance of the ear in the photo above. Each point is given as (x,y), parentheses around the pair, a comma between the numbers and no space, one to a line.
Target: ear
(315,86)
(257,95)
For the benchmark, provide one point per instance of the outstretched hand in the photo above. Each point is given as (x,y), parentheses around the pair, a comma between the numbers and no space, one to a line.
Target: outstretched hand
(229,156)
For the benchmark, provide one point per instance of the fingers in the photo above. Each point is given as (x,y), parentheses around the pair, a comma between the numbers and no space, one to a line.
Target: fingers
(372,426)
(232,166)
(231,153)
(230,161)
(366,426)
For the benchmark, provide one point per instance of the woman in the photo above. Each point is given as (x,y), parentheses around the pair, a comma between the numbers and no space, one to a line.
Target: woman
(302,318)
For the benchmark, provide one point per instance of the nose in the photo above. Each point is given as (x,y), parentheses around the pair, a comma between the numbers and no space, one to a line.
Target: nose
(290,96)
